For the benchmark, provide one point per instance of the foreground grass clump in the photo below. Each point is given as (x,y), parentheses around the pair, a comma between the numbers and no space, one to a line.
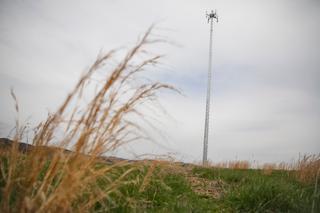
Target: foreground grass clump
(99,115)
(166,191)
(262,194)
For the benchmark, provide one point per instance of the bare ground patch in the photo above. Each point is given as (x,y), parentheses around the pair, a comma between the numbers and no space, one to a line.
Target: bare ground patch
(207,188)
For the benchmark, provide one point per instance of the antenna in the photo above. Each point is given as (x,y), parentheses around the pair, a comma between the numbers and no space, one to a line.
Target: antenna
(210,17)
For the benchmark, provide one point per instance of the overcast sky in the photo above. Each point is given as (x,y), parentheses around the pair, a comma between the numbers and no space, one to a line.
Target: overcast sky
(266,63)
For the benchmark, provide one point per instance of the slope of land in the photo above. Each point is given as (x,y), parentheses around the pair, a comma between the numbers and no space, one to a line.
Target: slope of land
(159,186)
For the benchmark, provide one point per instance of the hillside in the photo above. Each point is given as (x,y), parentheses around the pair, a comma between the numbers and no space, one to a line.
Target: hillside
(158,186)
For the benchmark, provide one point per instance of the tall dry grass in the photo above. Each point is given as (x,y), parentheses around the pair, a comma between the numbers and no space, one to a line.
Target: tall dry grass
(305,169)
(52,179)
(236,164)
(308,168)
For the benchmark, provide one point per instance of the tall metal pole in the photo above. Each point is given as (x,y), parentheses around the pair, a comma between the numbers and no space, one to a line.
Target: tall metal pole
(210,17)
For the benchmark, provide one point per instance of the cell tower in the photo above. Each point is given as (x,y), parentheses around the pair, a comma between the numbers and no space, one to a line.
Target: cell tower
(210,17)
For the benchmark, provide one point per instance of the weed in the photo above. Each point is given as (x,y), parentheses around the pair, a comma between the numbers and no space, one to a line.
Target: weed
(49,178)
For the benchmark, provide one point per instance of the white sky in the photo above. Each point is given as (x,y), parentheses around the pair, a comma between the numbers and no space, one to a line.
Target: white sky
(266,60)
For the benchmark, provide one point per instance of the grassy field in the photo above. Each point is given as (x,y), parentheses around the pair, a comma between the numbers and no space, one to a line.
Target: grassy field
(153,186)
(202,189)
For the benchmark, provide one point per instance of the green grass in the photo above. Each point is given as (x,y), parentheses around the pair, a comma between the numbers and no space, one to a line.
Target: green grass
(253,191)
(165,193)
(244,191)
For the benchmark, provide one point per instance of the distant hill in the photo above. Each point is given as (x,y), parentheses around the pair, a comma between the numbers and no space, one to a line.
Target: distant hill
(7,143)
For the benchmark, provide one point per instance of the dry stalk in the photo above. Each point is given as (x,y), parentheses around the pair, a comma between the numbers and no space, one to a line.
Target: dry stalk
(50,179)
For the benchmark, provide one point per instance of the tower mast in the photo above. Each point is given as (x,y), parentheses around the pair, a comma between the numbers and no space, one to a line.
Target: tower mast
(210,17)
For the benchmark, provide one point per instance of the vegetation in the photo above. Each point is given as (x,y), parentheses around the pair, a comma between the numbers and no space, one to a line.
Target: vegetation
(252,190)
(98,116)
(154,186)
(64,171)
